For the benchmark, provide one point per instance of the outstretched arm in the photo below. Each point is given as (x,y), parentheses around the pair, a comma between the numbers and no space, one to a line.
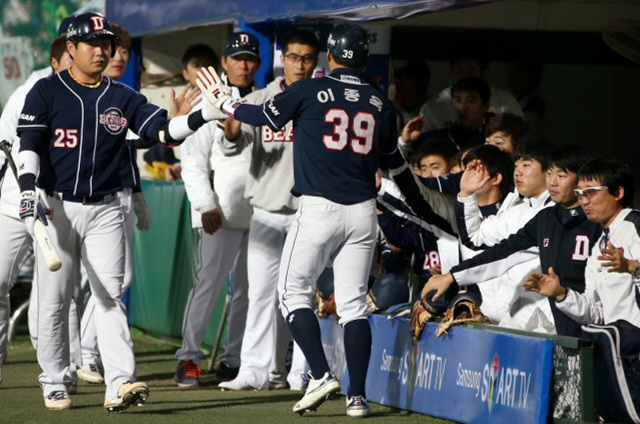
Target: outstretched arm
(219,96)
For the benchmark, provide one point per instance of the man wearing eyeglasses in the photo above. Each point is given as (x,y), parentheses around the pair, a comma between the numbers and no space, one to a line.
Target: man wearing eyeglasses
(563,236)
(268,188)
(612,288)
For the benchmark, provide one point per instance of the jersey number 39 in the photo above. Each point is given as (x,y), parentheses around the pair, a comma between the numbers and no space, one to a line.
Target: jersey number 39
(363,125)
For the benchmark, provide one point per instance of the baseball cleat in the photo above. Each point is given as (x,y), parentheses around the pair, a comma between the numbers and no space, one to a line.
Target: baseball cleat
(91,374)
(357,406)
(129,394)
(317,392)
(57,401)
(236,385)
(188,374)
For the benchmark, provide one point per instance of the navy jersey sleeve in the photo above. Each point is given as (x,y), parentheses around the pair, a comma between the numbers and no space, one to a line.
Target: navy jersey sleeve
(390,138)
(446,184)
(147,118)
(285,106)
(408,185)
(405,234)
(35,113)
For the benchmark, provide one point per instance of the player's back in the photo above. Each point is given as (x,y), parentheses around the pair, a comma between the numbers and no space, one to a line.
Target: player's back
(342,125)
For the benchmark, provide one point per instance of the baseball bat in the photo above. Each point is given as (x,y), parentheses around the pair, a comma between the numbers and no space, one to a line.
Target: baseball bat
(39,227)
(223,322)
(46,246)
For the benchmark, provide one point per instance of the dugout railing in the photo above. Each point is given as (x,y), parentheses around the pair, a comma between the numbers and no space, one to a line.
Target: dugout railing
(572,397)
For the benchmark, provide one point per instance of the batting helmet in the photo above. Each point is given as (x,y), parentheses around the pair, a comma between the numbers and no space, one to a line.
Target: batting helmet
(388,290)
(88,26)
(64,25)
(349,45)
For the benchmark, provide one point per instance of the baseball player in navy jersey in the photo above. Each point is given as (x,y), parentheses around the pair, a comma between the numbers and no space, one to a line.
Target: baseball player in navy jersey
(268,188)
(15,241)
(220,220)
(72,129)
(343,128)
(133,206)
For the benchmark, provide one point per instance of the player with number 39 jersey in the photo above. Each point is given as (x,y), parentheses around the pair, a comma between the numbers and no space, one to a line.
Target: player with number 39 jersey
(356,122)
(343,130)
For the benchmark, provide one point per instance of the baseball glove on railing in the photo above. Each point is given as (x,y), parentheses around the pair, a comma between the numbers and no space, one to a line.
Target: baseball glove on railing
(421,312)
(326,307)
(463,311)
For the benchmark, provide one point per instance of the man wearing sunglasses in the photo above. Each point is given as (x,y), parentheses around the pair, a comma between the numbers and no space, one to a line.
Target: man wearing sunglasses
(563,236)
(611,299)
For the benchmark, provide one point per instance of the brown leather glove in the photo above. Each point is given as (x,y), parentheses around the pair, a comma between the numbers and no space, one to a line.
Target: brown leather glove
(421,312)
(463,311)
(327,307)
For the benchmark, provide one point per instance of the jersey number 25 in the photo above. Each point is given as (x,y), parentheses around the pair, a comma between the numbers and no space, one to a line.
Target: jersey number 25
(363,125)
(66,138)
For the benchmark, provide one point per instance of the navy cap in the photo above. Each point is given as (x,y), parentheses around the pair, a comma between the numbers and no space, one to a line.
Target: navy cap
(242,43)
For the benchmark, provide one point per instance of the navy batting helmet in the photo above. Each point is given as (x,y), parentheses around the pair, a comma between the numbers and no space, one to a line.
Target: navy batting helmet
(349,45)
(388,290)
(88,26)
(64,25)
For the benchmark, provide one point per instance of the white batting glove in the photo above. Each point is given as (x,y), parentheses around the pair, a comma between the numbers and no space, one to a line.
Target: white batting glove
(28,210)
(215,90)
(142,211)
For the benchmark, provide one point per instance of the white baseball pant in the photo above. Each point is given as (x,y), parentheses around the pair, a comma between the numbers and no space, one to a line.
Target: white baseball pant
(266,337)
(324,232)
(14,245)
(216,255)
(94,234)
(88,330)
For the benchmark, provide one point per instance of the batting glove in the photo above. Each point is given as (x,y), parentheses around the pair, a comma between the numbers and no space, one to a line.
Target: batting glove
(142,211)
(216,92)
(28,209)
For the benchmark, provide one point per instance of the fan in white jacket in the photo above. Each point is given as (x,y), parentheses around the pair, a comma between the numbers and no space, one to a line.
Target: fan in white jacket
(517,309)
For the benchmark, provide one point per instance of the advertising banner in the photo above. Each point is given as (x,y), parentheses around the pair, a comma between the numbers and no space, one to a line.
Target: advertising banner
(469,375)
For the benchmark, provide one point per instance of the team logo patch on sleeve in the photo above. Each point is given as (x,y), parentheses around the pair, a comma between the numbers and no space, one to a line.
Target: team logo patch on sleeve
(113,120)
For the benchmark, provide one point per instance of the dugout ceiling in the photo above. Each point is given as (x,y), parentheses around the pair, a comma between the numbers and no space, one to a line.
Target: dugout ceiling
(148,17)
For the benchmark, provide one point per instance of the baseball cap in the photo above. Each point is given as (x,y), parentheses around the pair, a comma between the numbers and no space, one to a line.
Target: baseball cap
(242,43)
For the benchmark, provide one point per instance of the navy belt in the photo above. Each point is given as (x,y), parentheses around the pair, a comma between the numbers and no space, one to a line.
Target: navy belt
(85,200)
